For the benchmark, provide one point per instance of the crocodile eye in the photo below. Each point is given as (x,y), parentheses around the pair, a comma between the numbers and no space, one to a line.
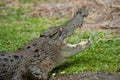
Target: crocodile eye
(16,56)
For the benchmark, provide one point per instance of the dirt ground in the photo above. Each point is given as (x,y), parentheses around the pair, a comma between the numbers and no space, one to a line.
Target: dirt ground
(89,76)
(105,13)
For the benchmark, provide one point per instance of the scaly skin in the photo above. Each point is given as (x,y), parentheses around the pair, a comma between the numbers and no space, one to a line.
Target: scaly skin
(36,59)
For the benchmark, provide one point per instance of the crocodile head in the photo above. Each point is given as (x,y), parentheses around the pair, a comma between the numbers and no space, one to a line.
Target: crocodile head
(60,32)
(56,35)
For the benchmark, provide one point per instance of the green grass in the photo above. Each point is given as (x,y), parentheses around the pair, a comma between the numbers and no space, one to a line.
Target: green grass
(103,55)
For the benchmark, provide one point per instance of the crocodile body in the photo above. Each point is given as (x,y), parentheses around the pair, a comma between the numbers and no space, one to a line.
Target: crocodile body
(36,59)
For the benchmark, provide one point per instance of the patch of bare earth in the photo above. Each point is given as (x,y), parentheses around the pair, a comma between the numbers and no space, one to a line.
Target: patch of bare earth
(89,76)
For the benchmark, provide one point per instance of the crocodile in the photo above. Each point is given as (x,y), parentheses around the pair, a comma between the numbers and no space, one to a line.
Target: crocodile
(37,58)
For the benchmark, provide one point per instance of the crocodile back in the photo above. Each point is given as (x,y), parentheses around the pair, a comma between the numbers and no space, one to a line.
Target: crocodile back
(8,64)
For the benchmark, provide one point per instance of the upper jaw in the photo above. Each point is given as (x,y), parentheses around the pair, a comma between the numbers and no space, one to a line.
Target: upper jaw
(59,33)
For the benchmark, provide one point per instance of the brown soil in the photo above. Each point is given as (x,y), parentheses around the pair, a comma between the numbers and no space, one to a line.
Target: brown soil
(89,76)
